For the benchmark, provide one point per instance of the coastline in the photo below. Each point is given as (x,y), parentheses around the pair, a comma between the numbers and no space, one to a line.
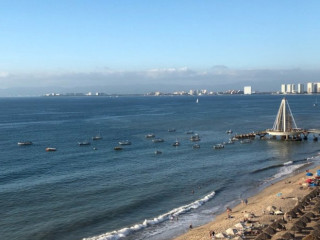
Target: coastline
(291,189)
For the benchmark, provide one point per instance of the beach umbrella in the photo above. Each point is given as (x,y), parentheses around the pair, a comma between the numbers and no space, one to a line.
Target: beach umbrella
(315,233)
(278,212)
(231,231)
(271,208)
(291,214)
(316,227)
(269,230)
(300,224)
(309,174)
(305,219)
(296,228)
(287,235)
(277,225)
(309,215)
(263,236)
(240,225)
(309,180)
(220,235)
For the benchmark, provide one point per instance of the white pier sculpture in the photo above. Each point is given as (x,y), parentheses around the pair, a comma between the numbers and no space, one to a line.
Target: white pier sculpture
(284,125)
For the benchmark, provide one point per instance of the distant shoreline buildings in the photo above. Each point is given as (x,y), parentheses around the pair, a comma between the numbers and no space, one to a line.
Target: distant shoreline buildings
(291,88)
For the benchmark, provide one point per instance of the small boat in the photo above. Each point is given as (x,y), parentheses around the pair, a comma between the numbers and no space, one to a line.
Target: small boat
(176,144)
(245,141)
(150,135)
(157,152)
(316,103)
(25,143)
(50,149)
(98,137)
(229,131)
(84,143)
(196,146)
(230,141)
(117,148)
(126,142)
(95,148)
(197,101)
(157,140)
(195,138)
(171,130)
(189,132)
(218,146)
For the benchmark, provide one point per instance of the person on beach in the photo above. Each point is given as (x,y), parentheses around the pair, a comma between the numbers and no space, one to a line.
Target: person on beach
(190,227)
(229,212)
(212,233)
(245,201)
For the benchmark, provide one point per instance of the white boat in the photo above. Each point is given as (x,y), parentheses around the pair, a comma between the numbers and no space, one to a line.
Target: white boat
(229,131)
(176,143)
(245,141)
(189,132)
(157,152)
(24,143)
(197,101)
(98,137)
(196,146)
(157,140)
(84,143)
(218,146)
(150,135)
(195,138)
(50,149)
(126,142)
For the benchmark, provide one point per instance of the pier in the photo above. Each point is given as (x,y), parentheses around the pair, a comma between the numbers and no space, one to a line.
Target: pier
(284,127)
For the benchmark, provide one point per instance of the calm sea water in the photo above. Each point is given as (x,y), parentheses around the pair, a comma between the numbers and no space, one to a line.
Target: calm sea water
(78,192)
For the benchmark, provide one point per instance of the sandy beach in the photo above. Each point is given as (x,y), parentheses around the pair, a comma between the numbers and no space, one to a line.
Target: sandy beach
(283,195)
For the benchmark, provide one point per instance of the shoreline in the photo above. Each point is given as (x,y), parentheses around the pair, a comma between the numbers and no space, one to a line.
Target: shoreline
(291,193)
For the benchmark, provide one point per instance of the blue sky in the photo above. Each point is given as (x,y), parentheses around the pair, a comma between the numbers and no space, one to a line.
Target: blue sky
(47,43)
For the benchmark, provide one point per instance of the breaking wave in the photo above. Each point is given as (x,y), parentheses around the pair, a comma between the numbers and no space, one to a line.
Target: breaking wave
(114,235)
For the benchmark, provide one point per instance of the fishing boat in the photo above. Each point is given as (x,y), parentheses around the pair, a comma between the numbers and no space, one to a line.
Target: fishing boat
(176,143)
(197,101)
(126,142)
(84,143)
(117,148)
(196,146)
(229,131)
(218,146)
(189,132)
(150,135)
(245,141)
(195,138)
(25,143)
(50,149)
(157,140)
(98,137)
(157,152)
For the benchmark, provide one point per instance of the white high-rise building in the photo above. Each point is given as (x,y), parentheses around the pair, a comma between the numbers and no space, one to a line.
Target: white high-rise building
(293,88)
(247,90)
(310,88)
(283,88)
(289,90)
(317,87)
(300,89)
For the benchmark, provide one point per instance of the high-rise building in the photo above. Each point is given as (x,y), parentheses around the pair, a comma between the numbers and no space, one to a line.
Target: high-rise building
(283,88)
(300,89)
(310,88)
(247,90)
(317,87)
(293,88)
(289,90)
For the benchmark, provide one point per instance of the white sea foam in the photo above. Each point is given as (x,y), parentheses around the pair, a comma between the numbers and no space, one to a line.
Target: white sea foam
(115,235)
(288,163)
(286,170)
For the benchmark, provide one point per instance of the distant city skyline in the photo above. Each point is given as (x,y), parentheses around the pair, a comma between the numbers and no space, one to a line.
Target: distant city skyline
(118,46)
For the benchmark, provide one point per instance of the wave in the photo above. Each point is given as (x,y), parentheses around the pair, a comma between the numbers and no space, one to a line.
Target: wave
(288,163)
(114,235)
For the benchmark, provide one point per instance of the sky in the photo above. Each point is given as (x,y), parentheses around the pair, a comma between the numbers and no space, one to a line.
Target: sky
(168,45)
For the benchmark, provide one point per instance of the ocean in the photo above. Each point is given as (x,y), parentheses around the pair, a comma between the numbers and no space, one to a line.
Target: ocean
(94,192)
